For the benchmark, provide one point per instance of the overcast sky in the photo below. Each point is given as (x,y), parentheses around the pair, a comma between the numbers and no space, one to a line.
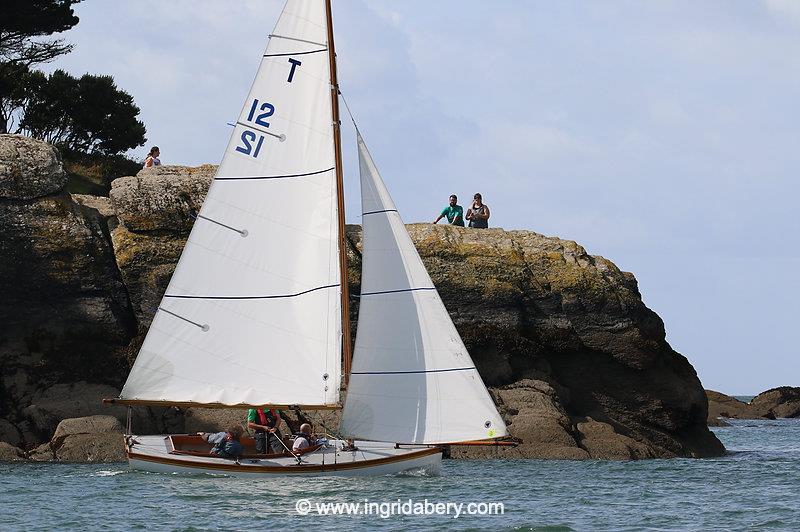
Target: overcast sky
(661,135)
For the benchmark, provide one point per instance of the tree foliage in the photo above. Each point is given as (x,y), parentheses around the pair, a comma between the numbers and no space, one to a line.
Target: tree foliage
(87,114)
(24,22)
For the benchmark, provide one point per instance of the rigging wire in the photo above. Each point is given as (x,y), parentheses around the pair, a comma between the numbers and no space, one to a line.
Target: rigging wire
(352,118)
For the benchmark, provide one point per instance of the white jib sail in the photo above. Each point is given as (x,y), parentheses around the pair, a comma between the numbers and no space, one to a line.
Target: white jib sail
(412,379)
(252,312)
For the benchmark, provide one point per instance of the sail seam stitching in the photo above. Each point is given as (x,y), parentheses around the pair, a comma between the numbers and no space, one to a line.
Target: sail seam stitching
(274,176)
(279,296)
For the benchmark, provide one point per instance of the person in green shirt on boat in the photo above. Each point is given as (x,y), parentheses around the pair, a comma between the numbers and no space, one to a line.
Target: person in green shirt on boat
(265,423)
(453,212)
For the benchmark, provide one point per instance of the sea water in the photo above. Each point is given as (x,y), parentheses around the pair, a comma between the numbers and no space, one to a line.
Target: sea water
(756,485)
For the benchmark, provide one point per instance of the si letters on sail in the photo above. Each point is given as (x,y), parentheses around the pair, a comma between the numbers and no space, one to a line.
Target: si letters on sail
(412,379)
(252,312)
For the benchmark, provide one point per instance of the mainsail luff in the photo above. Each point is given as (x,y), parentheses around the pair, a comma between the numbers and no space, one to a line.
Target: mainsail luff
(412,379)
(252,313)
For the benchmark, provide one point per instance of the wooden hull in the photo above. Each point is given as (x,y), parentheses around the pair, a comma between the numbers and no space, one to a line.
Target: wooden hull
(157,454)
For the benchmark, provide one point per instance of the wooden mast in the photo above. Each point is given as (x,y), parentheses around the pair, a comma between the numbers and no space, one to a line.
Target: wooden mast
(337,146)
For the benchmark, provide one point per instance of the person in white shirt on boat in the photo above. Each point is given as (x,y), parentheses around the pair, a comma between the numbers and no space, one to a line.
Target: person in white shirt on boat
(304,439)
(152,158)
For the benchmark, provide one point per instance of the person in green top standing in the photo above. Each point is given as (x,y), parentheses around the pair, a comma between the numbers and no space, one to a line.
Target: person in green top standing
(265,423)
(453,212)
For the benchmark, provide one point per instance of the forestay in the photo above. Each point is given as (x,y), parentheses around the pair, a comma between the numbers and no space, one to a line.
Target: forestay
(252,313)
(412,380)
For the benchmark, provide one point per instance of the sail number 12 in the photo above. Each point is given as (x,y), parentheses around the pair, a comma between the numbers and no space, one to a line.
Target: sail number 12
(251,142)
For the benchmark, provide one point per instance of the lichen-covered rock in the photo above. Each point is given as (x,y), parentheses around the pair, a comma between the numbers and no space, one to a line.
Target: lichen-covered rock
(102,448)
(213,419)
(146,262)
(65,310)
(725,406)
(528,307)
(100,203)
(29,168)
(10,453)
(781,402)
(86,439)
(777,403)
(99,424)
(535,307)
(161,197)
(579,365)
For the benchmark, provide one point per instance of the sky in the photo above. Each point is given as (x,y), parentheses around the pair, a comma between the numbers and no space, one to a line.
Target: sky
(662,135)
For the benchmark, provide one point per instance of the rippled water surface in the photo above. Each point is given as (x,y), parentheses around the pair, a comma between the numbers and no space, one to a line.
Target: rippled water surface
(756,485)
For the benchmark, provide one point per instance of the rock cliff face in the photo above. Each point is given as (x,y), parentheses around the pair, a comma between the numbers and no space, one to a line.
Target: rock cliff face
(576,362)
(65,311)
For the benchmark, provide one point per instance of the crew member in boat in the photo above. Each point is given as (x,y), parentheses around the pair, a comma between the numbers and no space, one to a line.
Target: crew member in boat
(303,439)
(478,214)
(265,422)
(453,212)
(226,443)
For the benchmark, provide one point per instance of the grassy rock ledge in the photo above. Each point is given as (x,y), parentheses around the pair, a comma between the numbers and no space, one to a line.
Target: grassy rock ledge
(577,364)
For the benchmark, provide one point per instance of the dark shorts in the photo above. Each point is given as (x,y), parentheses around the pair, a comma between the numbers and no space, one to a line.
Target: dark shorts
(268,440)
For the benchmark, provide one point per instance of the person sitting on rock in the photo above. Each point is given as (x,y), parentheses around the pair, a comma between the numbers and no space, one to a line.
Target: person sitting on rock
(265,423)
(226,444)
(478,214)
(152,158)
(304,439)
(453,212)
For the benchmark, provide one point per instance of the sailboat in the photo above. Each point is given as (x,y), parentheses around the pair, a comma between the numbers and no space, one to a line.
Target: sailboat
(256,312)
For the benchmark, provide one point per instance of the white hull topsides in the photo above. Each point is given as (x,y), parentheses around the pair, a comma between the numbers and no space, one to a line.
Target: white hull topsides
(157,454)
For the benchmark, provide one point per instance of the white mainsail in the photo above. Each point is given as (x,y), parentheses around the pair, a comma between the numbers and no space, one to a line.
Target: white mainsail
(252,312)
(412,379)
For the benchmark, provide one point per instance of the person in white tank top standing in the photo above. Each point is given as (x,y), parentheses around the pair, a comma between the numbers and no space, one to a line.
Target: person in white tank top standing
(152,158)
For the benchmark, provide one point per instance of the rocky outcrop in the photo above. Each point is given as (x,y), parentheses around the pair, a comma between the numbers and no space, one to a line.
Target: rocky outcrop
(577,364)
(85,439)
(163,198)
(10,453)
(777,402)
(781,402)
(100,203)
(29,168)
(65,309)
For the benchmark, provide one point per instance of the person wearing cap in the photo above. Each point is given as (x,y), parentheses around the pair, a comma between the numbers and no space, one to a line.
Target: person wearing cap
(478,214)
